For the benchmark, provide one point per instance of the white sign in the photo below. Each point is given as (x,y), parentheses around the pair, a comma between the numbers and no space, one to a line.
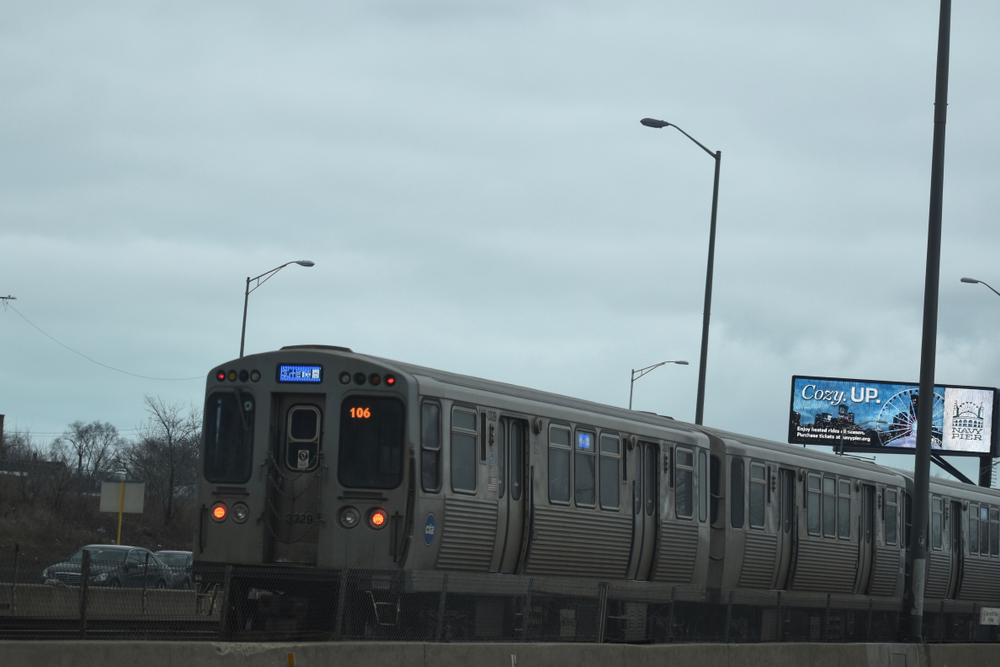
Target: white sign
(989,616)
(130,503)
(303,461)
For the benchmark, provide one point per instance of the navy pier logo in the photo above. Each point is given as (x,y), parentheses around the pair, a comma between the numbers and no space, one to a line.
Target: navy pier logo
(967,422)
(429,530)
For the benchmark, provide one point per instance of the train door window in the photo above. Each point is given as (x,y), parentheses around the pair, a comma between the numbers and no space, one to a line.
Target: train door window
(702,485)
(516,472)
(714,488)
(736,492)
(936,523)
(463,450)
(501,457)
(814,498)
(430,446)
(984,530)
(891,515)
(651,471)
(371,442)
(684,483)
(758,490)
(229,422)
(610,463)
(559,453)
(907,517)
(586,469)
(973,528)
(303,438)
(844,509)
(829,507)
(994,532)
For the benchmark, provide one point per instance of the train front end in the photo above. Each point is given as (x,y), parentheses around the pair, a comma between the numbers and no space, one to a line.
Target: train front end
(305,463)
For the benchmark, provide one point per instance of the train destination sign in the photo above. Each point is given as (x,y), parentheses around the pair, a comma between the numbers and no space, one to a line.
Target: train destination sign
(287,373)
(875,416)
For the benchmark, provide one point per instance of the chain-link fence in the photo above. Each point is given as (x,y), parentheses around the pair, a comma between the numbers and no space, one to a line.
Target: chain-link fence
(99,597)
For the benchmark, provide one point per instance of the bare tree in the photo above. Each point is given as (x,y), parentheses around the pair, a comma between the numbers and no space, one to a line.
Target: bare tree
(96,447)
(165,455)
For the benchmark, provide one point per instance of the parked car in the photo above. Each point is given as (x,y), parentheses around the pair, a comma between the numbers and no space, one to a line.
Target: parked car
(112,566)
(180,564)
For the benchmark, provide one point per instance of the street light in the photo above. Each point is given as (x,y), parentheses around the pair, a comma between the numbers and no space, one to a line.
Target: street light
(266,276)
(636,374)
(973,281)
(699,409)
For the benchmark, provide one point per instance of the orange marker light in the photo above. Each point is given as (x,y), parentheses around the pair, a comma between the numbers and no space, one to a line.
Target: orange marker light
(377,518)
(219,512)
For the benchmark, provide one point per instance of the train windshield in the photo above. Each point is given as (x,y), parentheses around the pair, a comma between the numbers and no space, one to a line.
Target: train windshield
(228,437)
(371,443)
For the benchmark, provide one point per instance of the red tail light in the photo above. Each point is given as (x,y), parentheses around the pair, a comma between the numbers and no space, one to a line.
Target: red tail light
(378,518)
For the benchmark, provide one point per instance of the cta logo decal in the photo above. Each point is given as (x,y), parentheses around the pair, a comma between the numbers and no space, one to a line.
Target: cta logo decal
(429,528)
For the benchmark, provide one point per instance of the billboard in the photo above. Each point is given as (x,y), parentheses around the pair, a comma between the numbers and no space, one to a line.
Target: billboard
(874,416)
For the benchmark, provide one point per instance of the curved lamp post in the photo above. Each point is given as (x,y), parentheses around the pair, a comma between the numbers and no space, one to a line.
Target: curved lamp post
(699,410)
(260,280)
(636,374)
(973,281)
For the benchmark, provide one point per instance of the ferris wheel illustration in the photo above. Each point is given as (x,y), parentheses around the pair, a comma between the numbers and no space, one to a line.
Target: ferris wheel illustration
(900,415)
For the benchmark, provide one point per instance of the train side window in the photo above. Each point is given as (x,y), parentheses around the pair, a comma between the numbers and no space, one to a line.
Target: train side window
(758,489)
(936,520)
(516,473)
(463,450)
(844,509)
(891,515)
(651,479)
(829,507)
(586,469)
(702,485)
(610,463)
(813,502)
(984,530)
(736,483)
(430,446)
(684,483)
(714,489)
(994,532)
(559,453)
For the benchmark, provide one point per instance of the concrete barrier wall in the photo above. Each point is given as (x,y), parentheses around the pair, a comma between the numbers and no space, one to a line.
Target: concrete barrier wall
(390,654)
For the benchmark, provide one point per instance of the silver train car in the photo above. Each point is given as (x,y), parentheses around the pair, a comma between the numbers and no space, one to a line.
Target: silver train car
(319,459)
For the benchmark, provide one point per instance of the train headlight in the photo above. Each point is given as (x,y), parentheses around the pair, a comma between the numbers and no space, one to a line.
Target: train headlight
(377,518)
(219,512)
(240,513)
(255,376)
(349,517)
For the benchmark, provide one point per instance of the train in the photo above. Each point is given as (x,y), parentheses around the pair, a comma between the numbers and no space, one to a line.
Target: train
(452,506)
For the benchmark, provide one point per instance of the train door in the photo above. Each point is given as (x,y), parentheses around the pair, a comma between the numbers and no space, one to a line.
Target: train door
(295,478)
(786,520)
(866,538)
(956,548)
(645,509)
(511,451)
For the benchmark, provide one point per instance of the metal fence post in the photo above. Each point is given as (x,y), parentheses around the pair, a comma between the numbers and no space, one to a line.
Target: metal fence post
(442,605)
(145,575)
(224,612)
(602,610)
(84,581)
(13,586)
(527,609)
(338,621)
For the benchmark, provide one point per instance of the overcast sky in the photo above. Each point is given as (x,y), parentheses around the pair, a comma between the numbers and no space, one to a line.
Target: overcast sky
(474,186)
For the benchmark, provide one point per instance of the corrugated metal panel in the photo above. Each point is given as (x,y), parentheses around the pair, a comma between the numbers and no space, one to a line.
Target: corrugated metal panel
(885,573)
(676,552)
(825,565)
(938,574)
(980,579)
(579,542)
(760,557)
(468,534)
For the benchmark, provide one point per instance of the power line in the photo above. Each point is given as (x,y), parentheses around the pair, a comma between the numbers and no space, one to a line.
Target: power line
(117,370)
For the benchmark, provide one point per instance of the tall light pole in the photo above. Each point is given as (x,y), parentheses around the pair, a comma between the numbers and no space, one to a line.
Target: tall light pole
(266,276)
(699,409)
(636,374)
(985,462)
